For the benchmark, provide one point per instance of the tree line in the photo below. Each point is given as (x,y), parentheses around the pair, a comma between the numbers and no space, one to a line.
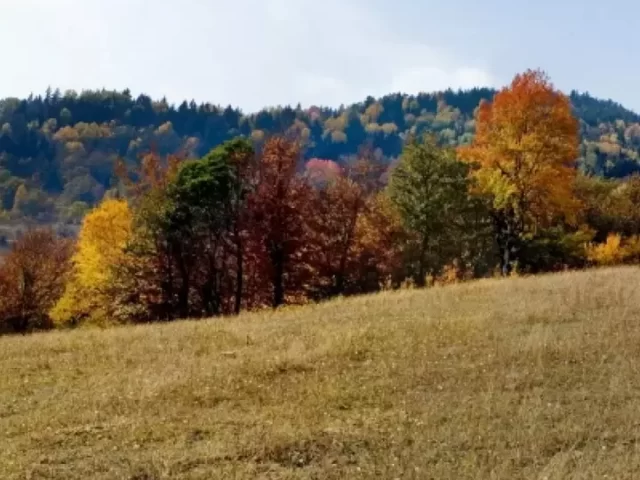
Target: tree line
(253,224)
(57,150)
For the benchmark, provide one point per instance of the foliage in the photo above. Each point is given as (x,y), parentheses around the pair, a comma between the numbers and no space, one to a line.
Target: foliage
(524,156)
(61,147)
(616,250)
(251,224)
(429,187)
(100,247)
(554,249)
(197,217)
(342,200)
(610,205)
(607,253)
(32,278)
(280,207)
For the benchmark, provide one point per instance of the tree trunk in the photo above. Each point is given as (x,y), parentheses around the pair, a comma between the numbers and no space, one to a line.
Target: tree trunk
(184,288)
(211,297)
(421,280)
(506,260)
(183,297)
(239,273)
(341,276)
(506,238)
(278,277)
(339,283)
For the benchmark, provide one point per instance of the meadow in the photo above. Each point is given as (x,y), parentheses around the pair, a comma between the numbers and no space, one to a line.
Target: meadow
(521,378)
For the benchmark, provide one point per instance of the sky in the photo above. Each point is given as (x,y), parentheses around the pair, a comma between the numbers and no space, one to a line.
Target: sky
(257,53)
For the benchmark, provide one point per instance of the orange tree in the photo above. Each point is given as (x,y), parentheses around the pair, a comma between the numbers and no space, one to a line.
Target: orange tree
(524,157)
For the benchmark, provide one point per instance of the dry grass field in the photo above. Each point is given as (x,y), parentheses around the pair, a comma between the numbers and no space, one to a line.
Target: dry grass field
(533,378)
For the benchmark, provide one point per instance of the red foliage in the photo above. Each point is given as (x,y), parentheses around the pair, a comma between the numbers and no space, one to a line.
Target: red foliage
(320,172)
(280,207)
(32,280)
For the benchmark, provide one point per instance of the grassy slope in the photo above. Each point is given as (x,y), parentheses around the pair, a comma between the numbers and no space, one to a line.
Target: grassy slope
(527,378)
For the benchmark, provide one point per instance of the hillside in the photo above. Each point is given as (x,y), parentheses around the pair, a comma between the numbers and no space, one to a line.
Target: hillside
(511,379)
(57,151)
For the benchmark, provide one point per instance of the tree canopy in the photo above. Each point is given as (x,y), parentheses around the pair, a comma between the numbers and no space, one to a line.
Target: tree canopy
(254,223)
(58,150)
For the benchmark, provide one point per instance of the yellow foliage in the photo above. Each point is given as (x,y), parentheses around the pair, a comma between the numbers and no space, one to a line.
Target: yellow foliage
(609,253)
(67,134)
(451,274)
(632,249)
(338,137)
(101,243)
(610,148)
(372,113)
(257,135)
(337,124)
(389,128)
(164,129)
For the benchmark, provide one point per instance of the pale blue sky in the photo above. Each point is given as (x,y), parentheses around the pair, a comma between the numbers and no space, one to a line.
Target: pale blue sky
(254,53)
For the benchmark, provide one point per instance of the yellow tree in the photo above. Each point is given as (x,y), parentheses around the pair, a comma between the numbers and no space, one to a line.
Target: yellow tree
(101,247)
(524,155)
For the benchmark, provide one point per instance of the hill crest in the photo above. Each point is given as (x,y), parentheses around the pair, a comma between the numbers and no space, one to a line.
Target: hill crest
(62,147)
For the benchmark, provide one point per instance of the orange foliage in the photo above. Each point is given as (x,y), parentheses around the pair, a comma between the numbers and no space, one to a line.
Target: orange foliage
(524,156)
(380,237)
(525,148)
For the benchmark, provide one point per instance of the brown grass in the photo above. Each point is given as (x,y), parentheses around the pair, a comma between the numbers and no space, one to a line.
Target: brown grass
(517,379)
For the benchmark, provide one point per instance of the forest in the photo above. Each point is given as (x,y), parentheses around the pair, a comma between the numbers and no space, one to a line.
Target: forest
(200,211)
(58,150)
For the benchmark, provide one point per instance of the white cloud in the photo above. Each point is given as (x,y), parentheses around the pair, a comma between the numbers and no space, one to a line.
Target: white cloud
(250,53)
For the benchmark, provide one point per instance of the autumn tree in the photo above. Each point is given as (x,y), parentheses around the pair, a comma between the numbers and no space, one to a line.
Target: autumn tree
(145,281)
(32,279)
(321,172)
(280,208)
(378,247)
(524,158)
(341,198)
(337,207)
(429,187)
(101,246)
(610,205)
(187,253)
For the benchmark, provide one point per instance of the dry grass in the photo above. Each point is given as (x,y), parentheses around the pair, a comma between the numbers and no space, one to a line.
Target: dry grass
(527,378)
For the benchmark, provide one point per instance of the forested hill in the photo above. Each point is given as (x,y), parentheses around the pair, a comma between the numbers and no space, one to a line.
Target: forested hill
(57,151)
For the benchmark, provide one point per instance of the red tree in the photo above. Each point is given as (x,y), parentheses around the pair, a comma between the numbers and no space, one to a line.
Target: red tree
(280,208)
(32,279)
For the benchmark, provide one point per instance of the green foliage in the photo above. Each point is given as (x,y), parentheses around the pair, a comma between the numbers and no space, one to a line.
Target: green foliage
(251,224)
(63,147)
(429,187)
(554,249)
